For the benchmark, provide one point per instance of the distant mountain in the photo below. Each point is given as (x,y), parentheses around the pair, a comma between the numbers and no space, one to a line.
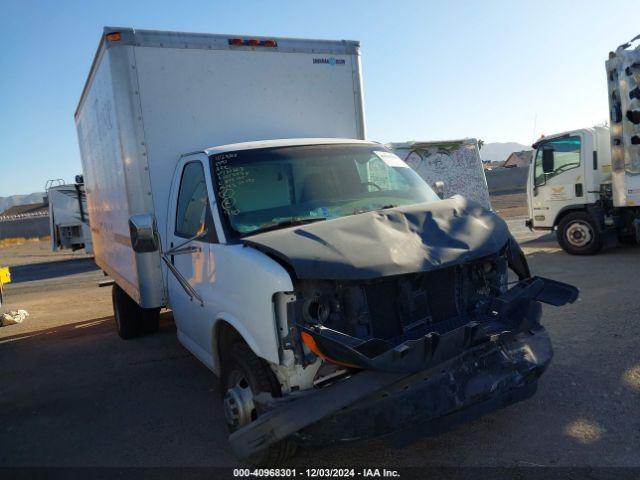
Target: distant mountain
(498,152)
(6,202)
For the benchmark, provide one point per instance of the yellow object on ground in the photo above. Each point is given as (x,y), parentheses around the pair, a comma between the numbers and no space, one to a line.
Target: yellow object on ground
(5,275)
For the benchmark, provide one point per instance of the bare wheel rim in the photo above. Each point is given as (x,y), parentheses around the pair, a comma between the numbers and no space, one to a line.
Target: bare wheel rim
(239,409)
(579,234)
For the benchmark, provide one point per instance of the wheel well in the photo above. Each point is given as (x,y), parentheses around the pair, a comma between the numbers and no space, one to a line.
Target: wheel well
(224,334)
(565,212)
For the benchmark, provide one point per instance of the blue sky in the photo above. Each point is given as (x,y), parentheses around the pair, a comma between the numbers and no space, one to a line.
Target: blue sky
(432,70)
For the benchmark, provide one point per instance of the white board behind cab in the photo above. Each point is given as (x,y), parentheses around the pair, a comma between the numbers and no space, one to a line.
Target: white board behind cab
(456,163)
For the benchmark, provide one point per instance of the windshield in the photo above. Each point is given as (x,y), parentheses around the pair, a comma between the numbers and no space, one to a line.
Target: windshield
(270,188)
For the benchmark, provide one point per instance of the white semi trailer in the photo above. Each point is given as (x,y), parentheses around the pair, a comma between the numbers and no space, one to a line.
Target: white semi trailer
(314,272)
(585,184)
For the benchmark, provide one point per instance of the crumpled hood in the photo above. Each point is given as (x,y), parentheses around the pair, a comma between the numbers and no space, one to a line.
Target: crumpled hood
(414,238)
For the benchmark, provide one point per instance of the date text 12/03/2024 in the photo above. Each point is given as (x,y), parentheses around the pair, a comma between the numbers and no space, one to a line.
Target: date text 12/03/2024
(316,472)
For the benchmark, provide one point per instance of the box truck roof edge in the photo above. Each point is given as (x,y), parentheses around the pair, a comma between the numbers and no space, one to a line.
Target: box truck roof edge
(209,41)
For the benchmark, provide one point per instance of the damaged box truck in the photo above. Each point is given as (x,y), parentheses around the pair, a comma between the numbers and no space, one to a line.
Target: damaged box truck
(332,291)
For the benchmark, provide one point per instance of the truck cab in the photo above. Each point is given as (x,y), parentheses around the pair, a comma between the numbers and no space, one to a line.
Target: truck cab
(568,176)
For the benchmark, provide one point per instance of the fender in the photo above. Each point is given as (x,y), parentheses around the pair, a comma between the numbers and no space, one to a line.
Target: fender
(568,209)
(243,332)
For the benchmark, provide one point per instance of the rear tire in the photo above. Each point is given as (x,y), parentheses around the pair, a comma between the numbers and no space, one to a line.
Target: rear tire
(242,369)
(578,234)
(150,320)
(131,319)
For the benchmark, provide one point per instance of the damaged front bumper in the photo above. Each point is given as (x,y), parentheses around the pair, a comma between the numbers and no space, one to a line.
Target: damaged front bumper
(423,404)
(516,310)
(422,385)
(373,403)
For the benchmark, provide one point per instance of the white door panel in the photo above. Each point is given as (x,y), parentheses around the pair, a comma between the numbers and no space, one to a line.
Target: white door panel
(189,283)
(559,183)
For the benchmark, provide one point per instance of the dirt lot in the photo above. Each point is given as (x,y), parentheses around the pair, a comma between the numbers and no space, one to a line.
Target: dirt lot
(74,394)
(510,205)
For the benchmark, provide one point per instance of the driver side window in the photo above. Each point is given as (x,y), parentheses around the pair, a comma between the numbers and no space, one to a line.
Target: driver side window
(193,215)
(564,153)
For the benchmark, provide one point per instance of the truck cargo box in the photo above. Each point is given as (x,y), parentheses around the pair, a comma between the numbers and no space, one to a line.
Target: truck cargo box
(623,81)
(152,96)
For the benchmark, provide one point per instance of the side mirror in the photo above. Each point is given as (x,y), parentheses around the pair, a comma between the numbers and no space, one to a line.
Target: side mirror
(142,229)
(440,188)
(547,160)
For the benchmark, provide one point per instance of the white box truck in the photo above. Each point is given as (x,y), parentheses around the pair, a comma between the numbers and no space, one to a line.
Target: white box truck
(325,283)
(585,183)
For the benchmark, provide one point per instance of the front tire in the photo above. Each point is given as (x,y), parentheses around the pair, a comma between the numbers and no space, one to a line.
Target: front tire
(244,375)
(578,234)
(131,319)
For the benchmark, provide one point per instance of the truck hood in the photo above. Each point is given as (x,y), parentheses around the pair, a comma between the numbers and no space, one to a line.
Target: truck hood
(395,241)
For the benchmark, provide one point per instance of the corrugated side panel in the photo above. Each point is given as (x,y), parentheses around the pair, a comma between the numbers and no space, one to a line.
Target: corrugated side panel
(194,99)
(623,78)
(103,170)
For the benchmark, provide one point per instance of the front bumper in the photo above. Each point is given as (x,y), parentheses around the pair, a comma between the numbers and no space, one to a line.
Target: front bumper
(418,405)
(373,403)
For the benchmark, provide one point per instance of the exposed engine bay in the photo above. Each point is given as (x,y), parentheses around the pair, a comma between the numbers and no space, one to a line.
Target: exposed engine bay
(388,311)
(407,322)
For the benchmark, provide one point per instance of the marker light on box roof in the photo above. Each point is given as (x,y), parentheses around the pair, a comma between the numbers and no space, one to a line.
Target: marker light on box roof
(252,42)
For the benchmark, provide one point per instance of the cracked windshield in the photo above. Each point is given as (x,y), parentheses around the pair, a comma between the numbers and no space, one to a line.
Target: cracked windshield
(266,189)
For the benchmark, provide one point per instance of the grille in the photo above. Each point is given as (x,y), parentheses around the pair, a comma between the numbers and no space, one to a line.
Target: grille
(401,303)
(441,287)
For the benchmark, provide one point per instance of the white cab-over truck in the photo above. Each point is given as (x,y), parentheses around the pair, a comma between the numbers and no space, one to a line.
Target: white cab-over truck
(332,291)
(585,183)
(68,217)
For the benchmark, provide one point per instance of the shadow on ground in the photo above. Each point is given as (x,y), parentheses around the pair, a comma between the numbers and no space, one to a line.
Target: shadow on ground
(46,270)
